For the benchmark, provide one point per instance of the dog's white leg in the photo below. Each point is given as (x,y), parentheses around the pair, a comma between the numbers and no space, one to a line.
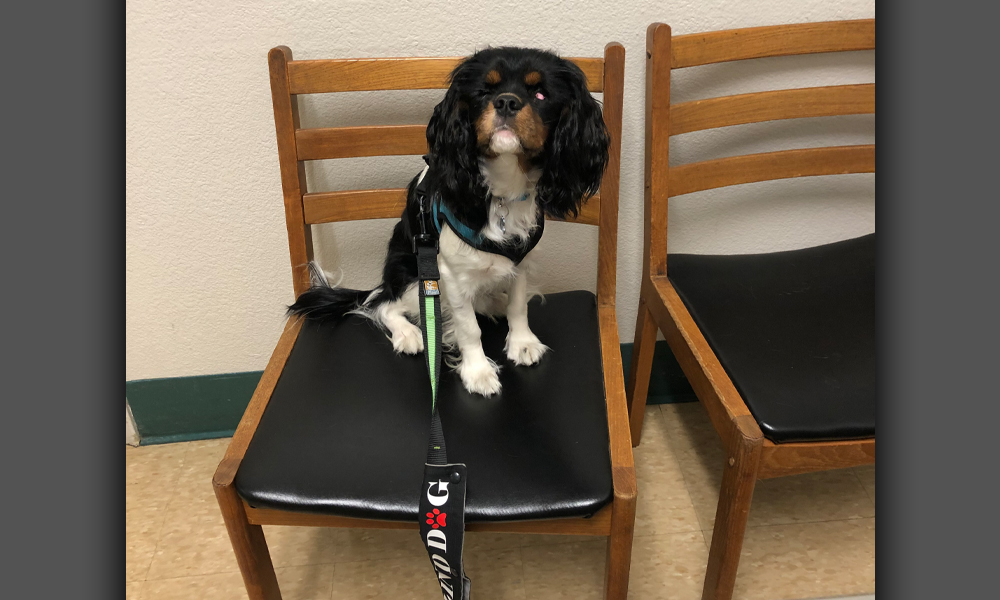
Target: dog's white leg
(479,374)
(523,347)
(406,337)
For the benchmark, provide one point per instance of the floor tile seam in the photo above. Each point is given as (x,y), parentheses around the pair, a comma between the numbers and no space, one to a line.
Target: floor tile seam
(862,484)
(664,535)
(191,576)
(333,582)
(308,564)
(159,538)
(311,564)
(170,504)
(570,539)
(653,535)
(367,560)
(524,577)
(690,499)
(862,596)
(167,485)
(677,463)
(678,532)
(804,523)
(348,562)
(230,572)
(684,479)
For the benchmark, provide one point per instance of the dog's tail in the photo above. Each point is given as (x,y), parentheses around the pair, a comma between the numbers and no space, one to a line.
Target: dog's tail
(324,301)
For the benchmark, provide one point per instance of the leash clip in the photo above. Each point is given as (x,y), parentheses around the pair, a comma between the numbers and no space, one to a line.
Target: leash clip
(424,238)
(425,247)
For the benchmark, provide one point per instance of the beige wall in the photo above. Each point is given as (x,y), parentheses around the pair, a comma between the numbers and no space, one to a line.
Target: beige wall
(207,271)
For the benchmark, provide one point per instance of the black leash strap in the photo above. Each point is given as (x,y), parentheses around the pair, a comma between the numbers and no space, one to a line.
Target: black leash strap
(442,495)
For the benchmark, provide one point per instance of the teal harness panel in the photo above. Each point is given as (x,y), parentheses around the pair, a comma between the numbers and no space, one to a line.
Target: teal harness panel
(515,252)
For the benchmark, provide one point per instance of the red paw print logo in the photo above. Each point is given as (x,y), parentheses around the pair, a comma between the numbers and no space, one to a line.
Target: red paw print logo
(436,519)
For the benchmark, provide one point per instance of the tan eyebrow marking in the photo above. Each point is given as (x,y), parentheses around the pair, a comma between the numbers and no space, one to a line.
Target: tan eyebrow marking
(532,78)
(493,77)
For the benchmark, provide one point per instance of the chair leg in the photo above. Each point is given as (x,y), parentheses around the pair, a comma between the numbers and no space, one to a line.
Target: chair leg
(738,480)
(642,364)
(249,545)
(619,559)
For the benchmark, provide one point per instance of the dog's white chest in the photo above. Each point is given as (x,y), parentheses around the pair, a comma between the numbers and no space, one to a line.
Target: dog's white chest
(473,269)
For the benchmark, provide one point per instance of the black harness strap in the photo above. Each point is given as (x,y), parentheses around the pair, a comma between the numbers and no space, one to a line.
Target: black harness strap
(442,495)
(515,252)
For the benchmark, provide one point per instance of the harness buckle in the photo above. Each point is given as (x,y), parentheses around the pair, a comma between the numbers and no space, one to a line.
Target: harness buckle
(425,238)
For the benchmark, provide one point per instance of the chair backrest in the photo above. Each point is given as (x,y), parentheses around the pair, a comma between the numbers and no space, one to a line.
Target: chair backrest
(289,78)
(664,119)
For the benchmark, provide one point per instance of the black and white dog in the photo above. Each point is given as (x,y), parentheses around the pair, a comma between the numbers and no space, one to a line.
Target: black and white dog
(517,137)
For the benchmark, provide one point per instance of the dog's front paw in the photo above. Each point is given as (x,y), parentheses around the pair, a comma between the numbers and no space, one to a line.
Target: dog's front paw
(408,339)
(525,350)
(480,375)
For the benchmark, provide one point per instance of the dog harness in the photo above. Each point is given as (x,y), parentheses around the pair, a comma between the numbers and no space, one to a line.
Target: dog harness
(440,214)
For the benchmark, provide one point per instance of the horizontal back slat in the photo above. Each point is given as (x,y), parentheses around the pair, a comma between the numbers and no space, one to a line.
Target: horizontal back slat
(347,142)
(777,40)
(724,111)
(358,75)
(590,214)
(353,205)
(750,168)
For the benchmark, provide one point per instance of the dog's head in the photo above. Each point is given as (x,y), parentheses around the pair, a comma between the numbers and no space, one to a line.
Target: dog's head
(528,103)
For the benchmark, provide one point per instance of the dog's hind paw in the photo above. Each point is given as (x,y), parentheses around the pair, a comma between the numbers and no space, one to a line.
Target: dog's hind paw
(408,339)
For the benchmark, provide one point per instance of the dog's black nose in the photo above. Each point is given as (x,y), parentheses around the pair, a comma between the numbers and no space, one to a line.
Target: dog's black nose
(507,105)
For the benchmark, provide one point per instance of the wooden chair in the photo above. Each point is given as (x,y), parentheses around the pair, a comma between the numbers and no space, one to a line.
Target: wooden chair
(737,325)
(264,454)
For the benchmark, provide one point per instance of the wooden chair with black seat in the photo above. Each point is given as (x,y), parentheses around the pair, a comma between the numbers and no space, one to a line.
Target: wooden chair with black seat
(779,347)
(335,434)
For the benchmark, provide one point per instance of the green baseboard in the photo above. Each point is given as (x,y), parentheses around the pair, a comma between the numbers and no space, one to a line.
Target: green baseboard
(182,409)
(667,383)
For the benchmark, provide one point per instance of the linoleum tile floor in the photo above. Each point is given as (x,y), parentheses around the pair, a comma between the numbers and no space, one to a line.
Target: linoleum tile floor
(809,536)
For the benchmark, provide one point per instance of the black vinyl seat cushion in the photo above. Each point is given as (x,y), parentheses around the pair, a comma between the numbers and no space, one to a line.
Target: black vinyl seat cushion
(795,331)
(345,432)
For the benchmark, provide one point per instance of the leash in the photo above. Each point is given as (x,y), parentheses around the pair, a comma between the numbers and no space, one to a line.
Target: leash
(442,495)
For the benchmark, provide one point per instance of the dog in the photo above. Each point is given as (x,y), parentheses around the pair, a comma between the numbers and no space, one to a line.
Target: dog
(516,138)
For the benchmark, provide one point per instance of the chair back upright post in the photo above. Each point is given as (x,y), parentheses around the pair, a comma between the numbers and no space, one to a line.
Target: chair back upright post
(657,163)
(303,208)
(607,244)
(293,173)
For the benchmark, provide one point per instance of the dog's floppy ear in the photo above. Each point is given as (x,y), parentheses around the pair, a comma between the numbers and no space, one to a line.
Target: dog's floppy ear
(576,151)
(451,139)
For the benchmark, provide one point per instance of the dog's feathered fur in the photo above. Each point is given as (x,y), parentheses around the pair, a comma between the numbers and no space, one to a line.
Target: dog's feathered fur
(514,121)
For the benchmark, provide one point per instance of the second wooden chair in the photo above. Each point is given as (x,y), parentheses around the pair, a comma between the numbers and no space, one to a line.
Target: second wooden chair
(779,347)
